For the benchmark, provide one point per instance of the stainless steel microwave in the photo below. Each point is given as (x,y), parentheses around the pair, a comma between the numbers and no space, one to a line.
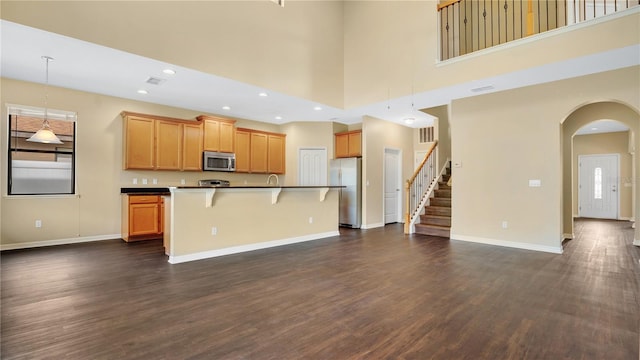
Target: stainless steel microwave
(216,161)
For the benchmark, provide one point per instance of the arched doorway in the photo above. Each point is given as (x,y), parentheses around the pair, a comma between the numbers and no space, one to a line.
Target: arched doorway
(578,118)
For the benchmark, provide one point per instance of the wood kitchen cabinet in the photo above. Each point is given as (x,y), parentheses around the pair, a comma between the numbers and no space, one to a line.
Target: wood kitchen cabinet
(142,217)
(192,147)
(161,143)
(276,154)
(260,152)
(348,144)
(243,150)
(168,145)
(139,143)
(219,134)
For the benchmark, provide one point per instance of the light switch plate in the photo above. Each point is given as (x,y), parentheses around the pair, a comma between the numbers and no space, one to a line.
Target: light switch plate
(535,183)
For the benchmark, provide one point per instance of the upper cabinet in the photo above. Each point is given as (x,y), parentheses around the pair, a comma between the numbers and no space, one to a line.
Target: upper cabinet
(139,147)
(219,134)
(276,153)
(348,144)
(161,143)
(260,152)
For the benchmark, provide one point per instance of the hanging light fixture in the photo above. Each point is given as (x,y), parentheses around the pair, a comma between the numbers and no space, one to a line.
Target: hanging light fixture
(45,135)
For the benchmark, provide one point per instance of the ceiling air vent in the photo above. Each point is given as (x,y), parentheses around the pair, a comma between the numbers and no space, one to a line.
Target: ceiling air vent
(155,81)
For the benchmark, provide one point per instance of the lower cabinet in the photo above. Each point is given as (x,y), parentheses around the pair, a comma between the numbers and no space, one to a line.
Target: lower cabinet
(142,217)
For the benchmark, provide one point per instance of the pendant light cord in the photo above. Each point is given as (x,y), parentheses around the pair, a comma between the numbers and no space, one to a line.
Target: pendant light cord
(45,123)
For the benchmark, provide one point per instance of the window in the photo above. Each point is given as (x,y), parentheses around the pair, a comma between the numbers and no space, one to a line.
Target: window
(597,183)
(36,168)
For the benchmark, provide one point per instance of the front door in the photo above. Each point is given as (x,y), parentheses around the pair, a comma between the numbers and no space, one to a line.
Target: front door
(598,186)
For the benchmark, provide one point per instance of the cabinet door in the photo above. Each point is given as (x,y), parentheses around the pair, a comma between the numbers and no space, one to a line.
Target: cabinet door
(211,135)
(243,151)
(168,145)
(342,145)
(139,143)
(276,154)
(259,154)
(227,137)
(355,143)
(143,219)
(192,147)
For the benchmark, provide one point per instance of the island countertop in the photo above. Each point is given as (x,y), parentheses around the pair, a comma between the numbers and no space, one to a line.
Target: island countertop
(166,191)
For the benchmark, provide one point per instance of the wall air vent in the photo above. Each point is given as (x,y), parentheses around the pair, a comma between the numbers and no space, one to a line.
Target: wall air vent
(155,81)
(482,88)
(426,135)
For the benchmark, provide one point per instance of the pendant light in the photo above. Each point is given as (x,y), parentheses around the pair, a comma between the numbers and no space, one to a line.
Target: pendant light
(45,135)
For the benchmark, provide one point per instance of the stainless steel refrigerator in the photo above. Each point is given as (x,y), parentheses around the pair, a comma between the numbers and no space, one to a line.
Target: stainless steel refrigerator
(347,172)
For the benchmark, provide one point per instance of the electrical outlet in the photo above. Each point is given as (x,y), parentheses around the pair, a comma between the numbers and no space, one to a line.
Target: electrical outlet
(135,181)
(505,224)
(155,181)
(144,181)
(310,220)
(214,231)
(182,182)
(38,223)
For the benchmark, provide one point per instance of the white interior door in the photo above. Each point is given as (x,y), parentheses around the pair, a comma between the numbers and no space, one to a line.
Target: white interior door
(598,186)
(392,173)
(312,167)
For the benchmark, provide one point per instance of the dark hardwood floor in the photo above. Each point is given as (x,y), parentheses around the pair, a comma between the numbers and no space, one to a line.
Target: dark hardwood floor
(369,294)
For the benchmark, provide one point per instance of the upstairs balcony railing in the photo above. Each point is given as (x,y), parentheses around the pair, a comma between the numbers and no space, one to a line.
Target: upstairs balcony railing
(471,25)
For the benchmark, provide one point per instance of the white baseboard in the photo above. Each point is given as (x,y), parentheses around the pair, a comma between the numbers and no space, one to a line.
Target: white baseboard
(371,226)
(511,244)
(32,244)
(250,247)
(568,236)
(625,218)
(636,242)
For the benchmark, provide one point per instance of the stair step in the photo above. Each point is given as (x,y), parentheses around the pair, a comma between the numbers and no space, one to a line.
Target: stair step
(443,193)
(437,210)
(433,230)
(435,220)
(438,201)
(443,185)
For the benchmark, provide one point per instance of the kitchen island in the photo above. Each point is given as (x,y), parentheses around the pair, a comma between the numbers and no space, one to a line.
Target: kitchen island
(204,222)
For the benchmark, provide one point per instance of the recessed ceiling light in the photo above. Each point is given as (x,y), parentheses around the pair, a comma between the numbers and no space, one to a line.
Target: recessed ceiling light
(278,117)
(226,107)
(263,94)
(169,71)
(409,121)
(317,108)
(142,91)
(594,128)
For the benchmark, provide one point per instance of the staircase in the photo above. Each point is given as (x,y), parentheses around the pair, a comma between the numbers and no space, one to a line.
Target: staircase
(436,220)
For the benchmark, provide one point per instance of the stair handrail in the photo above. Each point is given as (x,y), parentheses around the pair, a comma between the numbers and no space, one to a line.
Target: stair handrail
(417,181)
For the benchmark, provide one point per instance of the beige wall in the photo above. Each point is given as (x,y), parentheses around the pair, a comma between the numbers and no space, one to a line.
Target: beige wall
(442,132)
(609,143)
(310,135)
(506,138)
(296,50)
(377,32)
(376,136)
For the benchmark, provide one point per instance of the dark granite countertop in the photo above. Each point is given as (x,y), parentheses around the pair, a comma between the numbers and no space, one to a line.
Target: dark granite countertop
(145,191)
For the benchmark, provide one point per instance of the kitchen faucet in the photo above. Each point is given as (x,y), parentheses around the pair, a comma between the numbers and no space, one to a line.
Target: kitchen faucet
(269,179)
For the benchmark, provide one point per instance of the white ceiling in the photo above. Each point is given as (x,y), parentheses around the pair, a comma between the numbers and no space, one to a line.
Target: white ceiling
(602,126)
(98,69)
